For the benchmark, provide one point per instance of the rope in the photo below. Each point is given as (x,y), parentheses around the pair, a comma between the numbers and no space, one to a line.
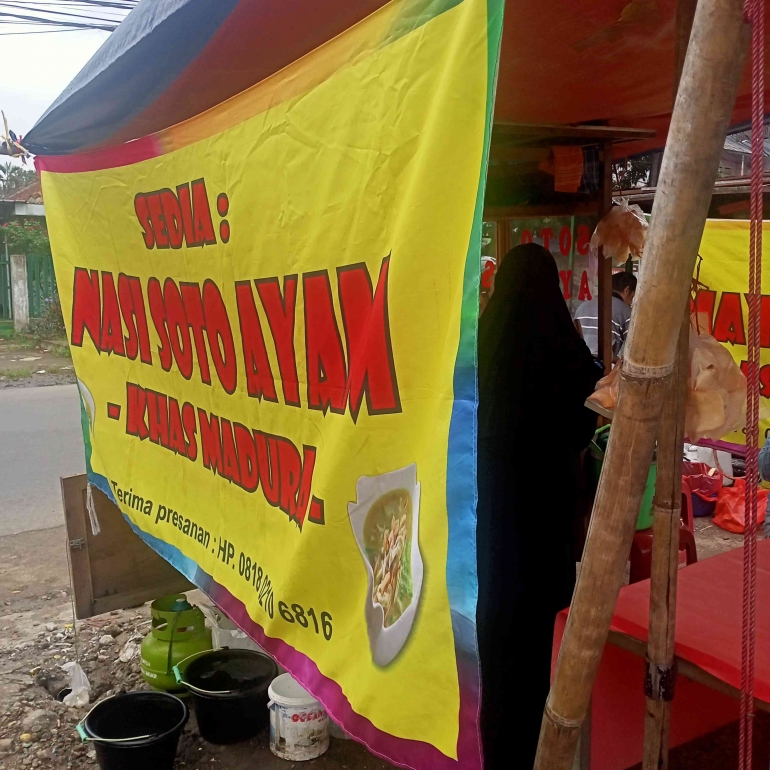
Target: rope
(754,11)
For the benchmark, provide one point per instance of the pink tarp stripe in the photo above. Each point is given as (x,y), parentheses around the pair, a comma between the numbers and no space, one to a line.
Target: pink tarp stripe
(111,157)
(736,449)
(399,751)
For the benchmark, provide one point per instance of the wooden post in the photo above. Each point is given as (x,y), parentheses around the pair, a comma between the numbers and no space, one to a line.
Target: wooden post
(605,266)
(704,104)
(660,675)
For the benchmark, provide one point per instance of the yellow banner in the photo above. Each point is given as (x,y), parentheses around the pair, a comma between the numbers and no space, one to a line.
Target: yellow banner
(722,276)
(271,308)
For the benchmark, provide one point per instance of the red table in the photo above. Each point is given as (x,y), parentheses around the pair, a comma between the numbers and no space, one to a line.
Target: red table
(708,650)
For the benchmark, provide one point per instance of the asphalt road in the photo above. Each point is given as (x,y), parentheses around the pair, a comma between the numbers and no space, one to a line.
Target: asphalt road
(40,440)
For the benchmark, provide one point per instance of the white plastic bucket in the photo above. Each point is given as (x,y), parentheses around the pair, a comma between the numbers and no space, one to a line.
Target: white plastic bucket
(299,726)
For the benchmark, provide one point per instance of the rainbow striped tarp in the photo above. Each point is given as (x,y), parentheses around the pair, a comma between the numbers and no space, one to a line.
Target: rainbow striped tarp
(272,309)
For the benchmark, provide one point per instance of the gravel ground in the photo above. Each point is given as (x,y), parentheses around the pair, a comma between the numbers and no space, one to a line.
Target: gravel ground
(26,362)
(37,636)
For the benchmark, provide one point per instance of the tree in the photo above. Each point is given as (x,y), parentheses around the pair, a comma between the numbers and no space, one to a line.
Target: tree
(13,177)
(26,236)
(628,172)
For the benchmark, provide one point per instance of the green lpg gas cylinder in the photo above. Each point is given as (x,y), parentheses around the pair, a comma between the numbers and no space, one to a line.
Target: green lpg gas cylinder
(178,631)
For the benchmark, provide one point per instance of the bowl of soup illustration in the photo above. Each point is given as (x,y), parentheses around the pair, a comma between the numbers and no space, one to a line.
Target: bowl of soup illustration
(88,403)
(385,519)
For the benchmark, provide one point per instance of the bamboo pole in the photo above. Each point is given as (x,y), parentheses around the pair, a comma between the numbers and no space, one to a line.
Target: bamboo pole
(660,675)
(660,672)
(703,106)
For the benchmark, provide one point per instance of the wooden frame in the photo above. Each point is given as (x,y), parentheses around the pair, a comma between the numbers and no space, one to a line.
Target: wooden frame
(116,568)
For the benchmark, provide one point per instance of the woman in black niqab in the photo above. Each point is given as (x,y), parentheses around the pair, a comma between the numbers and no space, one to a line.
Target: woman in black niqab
(535,373)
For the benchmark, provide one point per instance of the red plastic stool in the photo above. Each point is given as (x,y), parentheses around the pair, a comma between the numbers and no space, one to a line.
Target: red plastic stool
(641,548)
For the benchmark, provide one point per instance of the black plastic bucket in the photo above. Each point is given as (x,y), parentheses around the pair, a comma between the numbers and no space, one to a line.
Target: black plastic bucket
(136,730)
(229,693)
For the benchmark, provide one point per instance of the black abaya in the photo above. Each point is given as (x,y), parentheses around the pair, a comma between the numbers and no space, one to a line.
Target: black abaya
(535,373)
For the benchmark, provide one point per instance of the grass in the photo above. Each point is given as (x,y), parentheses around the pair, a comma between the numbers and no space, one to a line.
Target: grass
(18,341)
(22,374)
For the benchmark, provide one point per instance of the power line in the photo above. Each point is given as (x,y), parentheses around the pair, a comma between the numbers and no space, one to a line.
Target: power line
(62,15)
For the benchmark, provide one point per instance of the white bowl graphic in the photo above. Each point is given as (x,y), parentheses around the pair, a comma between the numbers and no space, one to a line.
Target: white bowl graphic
(387,642)
(88,402)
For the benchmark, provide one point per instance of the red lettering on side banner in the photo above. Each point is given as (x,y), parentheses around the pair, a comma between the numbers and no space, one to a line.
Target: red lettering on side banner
(112,332)
(176,442)
(326,375)
(193,310)
(546,234)
(526,236)
(267,456)
(143,215)
(220,336)
(566,282)
(280,312)
(86,307)
(371,370)
(704,307)
(202,224)
(157,418)
(172,218)
(259,375)
(583,239)
(157,221)
(190,430)
(303,495)
(565,241)
(290,470)
(178,329)
(248,467)
(585,289)
(728,323)
(185,207)
(136,400)
(134,318)
(229,455)
(764,320)
(245,457)
(158,313)
(211,442)
(764,377)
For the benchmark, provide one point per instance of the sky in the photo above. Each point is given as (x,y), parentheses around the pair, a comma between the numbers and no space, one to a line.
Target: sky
(37,68)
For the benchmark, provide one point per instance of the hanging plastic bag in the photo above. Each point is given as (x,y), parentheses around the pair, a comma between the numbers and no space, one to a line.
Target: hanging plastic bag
(716,390)
(606,392)
(621,233)
(731,507)
(79,685)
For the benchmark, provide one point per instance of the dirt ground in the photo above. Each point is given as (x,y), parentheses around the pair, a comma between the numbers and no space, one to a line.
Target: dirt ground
(28,362)
(37,636)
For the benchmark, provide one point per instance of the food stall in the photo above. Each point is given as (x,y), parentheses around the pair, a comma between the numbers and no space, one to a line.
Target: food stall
(211,154)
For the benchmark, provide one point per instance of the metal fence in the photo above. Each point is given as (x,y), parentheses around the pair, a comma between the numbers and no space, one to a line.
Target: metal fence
(41,283)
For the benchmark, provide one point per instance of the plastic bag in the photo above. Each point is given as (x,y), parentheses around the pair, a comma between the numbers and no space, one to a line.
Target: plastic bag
(224,633)
(621,233)
(606,392)
(703,480)
(730,513)
(79,684)
(704,483)
(716,390)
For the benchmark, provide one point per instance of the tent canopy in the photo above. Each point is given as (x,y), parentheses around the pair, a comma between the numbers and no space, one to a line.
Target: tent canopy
(563,61)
